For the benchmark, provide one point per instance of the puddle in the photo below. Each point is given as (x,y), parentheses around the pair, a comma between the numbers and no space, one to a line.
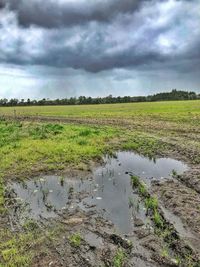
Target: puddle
(109,191)
(47,195)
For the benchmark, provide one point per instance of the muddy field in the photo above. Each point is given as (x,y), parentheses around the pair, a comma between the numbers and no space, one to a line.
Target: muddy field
(116,194)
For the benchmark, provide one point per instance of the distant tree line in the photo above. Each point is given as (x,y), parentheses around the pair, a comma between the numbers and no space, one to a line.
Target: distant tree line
(167,96)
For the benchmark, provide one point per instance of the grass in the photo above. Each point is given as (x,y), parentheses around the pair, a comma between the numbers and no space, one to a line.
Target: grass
(140,185)
(15,251)
(31,148)
(135,180)
(38,147)
(158,220)
(174,122)
(154,110)
(75,239)
(174,174)
(151,203)
(162,228)
(119,258)
(21,248)
(143,190)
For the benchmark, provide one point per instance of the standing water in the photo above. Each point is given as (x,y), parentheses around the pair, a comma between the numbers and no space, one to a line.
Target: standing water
(109,191)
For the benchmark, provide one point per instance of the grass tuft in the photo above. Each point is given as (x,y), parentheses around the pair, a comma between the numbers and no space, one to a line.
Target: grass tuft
(151,203)
(119,258)
(158,219)
(135,180)
(75,240)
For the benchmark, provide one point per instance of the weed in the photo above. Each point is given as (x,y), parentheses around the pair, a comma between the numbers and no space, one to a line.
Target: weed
(158,219)
(48,147)
(82,142)
(174,173)
(75,239)
(151,203)
(14,251)
(135,180)
(43,131)
(85,132)
(30,225)
(165,253)
(143,190)
(119,258)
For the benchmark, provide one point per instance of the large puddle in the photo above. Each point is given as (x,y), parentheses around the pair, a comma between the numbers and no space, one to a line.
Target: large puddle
(109,190)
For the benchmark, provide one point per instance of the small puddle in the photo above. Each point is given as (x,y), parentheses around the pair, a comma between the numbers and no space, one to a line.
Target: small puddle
(109,191)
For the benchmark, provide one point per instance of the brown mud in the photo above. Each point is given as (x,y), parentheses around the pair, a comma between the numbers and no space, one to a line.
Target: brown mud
(107,215)
(99,245)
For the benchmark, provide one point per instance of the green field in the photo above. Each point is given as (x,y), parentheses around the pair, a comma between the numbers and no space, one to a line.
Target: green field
(182,111)
(29,146)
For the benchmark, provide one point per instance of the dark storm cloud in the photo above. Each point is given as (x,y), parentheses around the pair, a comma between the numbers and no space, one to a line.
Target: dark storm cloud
(61,13)
(96,47)
(112,41)
(52,14)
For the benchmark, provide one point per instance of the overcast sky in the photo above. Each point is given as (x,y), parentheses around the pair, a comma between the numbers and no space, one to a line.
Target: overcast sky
(64,48)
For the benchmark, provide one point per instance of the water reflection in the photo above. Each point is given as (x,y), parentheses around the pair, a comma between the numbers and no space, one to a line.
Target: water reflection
(109,191)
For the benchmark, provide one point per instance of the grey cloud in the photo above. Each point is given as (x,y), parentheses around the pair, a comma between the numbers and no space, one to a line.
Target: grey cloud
(94,47)
(53,14)
(158,41)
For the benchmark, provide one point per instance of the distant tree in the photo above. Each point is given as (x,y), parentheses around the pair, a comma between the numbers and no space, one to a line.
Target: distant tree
(165,96)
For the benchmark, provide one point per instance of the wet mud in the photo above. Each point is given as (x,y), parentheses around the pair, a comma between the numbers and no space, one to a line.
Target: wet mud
(108,214)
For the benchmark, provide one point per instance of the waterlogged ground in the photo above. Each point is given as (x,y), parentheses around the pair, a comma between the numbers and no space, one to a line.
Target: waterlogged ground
(103,208)
(108,190)
(88,213)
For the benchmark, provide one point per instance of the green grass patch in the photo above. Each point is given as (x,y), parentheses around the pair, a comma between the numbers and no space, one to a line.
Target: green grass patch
(143,190)
(170,111)
(75,239)
(119,258)
(135,180)
(151,203)
(44,131)
(158,220)
(15,250)
(41,147)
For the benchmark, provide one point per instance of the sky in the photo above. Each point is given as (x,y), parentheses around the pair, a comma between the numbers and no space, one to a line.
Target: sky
(63,48)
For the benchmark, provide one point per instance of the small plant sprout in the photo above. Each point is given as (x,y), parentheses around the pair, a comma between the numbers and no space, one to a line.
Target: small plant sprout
(174,173)
(135,181)
(165,252)
(158,219)
(75,239)
(151,203)
(119,258)
(142,189)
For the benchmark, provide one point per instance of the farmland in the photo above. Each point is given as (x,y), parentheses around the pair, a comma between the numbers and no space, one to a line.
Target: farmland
(71,141)
(184,110)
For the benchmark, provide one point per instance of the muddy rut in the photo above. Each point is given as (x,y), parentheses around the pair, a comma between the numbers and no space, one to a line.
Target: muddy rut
(104,219)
